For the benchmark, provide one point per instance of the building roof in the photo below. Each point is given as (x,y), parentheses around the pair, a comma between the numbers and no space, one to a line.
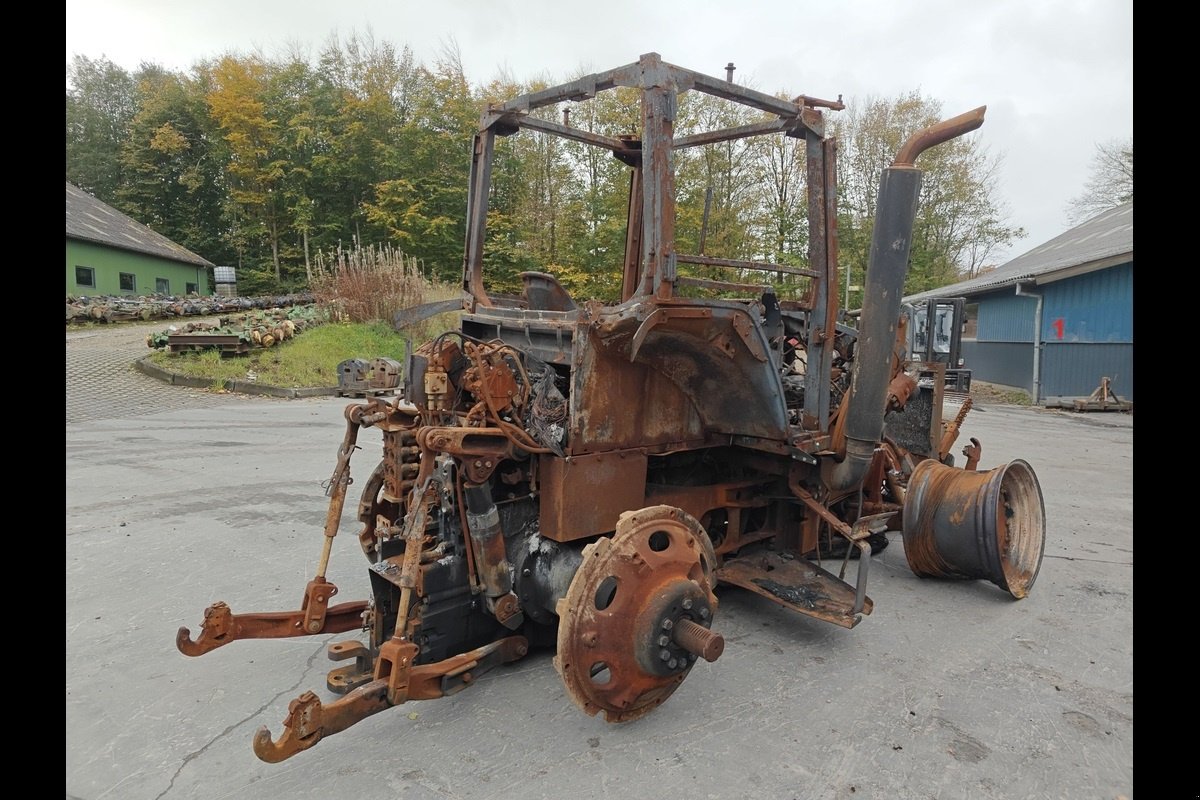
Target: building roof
(92,221)
(1104,240)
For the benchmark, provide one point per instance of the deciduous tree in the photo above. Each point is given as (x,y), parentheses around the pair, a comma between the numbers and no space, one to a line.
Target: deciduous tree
(1109,184)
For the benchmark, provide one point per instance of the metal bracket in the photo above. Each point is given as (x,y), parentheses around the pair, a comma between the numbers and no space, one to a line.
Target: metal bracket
(221,626)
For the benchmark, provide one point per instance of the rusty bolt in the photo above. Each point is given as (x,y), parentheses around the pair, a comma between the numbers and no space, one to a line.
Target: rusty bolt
(487,463)
(522,649)
(664,640)
(673,663)
(664,654)
(666,624)
(703,612)
(314,626)
(699,640)
(687,603)
(479,463)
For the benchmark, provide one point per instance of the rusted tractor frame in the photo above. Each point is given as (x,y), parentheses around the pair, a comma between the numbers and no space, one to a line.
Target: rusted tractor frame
(583,476)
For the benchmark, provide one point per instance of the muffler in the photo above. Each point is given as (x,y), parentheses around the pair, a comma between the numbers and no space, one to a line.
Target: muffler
(964,524)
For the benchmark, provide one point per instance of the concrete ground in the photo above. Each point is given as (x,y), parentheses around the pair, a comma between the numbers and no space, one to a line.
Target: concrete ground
(178,498)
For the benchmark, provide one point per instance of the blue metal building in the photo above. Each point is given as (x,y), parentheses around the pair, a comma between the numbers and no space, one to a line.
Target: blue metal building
(1059,318)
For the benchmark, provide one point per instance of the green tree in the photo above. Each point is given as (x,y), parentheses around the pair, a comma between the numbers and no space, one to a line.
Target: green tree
(421,202)
(256,168)
(172,161)
(728,169)
(961,221)
(366,95)
(101,104)
(594,215)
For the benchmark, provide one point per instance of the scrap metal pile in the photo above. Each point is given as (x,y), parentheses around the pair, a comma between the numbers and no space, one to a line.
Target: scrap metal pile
(581,477)
(108,308)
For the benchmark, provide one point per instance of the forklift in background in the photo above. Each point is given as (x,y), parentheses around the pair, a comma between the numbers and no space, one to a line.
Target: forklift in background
(935,334)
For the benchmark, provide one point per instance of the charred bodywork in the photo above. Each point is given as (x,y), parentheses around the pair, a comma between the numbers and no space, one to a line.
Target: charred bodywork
(583,476)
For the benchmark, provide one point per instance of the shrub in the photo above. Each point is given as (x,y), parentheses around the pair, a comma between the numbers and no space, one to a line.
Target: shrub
(367,283)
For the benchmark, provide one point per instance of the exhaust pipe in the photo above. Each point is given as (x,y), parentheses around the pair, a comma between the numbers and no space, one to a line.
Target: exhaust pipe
(887,267)
(969,525)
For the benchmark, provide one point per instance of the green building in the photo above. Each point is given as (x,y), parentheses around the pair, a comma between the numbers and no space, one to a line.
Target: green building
(110,254)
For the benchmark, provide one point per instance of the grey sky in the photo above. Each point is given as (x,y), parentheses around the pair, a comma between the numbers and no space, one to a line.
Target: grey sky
(1057,76)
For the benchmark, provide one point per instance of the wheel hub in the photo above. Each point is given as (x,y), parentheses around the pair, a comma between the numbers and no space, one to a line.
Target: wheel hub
(637,613)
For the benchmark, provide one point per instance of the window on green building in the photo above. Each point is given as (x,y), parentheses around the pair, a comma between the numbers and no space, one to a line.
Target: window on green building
(193,288)
(85,276)
(128,282)
(162,286)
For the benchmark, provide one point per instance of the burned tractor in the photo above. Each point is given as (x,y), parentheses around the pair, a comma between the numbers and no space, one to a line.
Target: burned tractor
(582,476)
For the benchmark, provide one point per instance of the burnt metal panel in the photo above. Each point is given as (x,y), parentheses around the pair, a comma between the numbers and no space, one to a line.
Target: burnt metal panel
(715,356)
(602,417)
(659,107)
(583,495)
(544,334)
(820,351)
(917,427)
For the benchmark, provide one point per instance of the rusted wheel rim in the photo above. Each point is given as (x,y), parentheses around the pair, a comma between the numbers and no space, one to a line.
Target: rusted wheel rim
(616,652)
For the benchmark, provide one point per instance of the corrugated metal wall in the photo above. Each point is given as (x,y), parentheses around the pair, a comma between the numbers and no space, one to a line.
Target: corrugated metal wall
(1005,317)
(1087,334)
(1096,307)
(1006,363)
(1075,369)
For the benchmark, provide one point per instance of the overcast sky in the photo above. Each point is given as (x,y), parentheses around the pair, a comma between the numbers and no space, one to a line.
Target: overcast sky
(1056,75)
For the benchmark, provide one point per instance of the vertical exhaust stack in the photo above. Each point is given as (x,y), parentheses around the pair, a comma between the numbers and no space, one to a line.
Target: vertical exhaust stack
(887,267)
(957,523)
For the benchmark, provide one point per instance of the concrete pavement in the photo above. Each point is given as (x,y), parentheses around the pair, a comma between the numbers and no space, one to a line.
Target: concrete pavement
(102,383)
(948,690)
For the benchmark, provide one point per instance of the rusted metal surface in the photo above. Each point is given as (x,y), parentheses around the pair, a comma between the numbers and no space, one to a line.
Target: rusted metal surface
(616,649)
(309,720)
(757,266)
(819,349)
(732,391)
(407,317)
(583,495)
(580,474)
(944,131)
(972,453)
(951,434)
(221,626)
(796,584)
(917,425)
(991,525)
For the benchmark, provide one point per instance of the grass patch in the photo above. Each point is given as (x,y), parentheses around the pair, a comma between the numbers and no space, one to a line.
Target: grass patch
(308,361)
(1001,395)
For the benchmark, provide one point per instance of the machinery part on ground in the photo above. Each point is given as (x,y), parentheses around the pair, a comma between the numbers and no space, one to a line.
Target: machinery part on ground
(309,720)
(960,524)
(580,475)
(637,614)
